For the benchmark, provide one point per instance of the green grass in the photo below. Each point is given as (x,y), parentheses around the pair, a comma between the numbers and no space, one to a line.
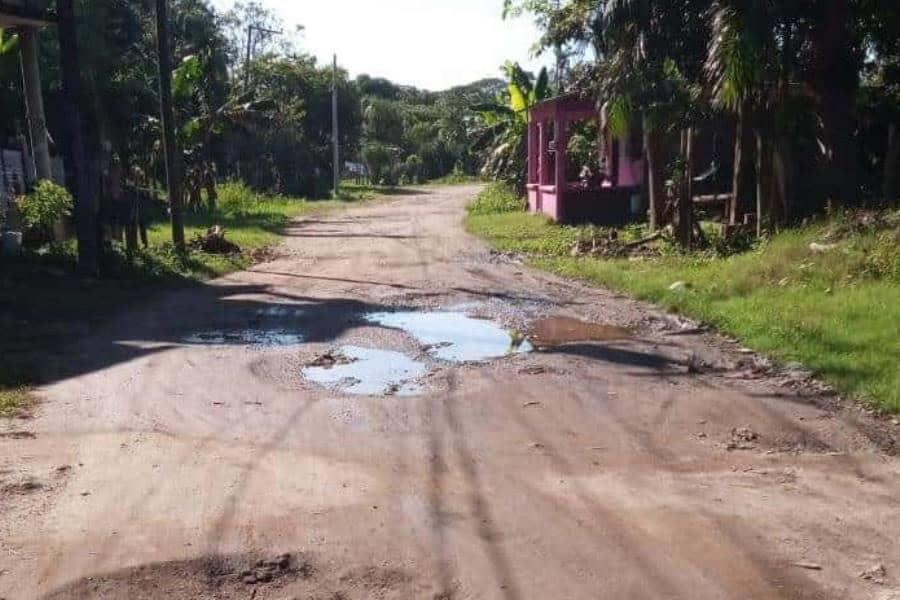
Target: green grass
(44,303)
(251,220)
(455,179)
(837,312)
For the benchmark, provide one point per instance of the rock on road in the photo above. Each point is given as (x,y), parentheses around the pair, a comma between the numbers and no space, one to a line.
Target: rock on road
(171,460)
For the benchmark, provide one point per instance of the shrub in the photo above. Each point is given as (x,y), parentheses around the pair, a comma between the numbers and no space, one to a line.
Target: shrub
(494,199)
(883,258)
(43,208)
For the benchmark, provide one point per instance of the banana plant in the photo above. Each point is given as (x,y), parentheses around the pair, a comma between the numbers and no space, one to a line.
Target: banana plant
(8,42)
(196,134)
(500,127)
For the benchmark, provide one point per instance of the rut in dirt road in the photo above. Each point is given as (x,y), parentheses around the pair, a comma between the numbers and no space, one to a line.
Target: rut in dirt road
(403,413)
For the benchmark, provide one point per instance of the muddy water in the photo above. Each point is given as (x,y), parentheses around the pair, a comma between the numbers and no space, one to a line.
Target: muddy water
(453,336)
(246,337)
(556,331)
(369,372)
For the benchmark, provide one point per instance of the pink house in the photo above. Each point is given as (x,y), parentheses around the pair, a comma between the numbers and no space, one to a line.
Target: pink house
(609,194)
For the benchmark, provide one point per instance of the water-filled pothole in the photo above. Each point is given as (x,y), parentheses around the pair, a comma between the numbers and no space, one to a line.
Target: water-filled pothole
(454,336)
(246,337)
(367,372)
(557,331)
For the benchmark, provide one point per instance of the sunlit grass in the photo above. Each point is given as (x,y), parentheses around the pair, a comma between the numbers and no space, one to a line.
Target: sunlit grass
(837,311)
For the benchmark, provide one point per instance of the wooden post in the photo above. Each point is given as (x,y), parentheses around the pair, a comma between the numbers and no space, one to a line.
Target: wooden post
(334,128)
(34,102)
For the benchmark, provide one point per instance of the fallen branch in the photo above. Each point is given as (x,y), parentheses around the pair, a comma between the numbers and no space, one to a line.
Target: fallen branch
(650,238)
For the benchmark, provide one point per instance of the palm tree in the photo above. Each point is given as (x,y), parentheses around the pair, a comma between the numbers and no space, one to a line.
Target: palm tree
(650,55)
(170,145)
(733,68)
(85,217)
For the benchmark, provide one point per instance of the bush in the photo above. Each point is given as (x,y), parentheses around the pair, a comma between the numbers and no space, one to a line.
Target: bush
(494,199)
(43,208)
(883,258)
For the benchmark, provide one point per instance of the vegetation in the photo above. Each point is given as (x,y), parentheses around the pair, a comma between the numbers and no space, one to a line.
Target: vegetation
(45,206)
(164,96)
(500,131)
(809,89)
(823,295)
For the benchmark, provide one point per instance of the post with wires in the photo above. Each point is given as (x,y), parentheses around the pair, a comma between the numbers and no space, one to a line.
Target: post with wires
(334,128)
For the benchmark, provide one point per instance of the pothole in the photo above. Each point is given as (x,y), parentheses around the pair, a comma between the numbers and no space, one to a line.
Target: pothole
(367,372)
(454,336)
(558,331)
(246,337)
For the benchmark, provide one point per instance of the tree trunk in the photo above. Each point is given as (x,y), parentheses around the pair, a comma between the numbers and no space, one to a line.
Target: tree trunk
(686,196)
(783,169)
(654,174)
(737,178)
(170,145)
(85,206)
(764,203)
(212,195)
(836,81)
(892,164)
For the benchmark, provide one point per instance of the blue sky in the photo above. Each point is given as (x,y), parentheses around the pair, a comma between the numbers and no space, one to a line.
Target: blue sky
(432,44)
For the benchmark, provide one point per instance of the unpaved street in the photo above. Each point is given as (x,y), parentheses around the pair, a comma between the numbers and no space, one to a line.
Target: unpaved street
(180,452)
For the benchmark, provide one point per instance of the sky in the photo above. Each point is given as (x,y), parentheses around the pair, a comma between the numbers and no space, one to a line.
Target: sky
(431,44)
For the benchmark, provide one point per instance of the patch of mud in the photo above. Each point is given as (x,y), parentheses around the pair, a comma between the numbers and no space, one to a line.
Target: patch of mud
(367,372)
(21,488)
(246,337)
(454,336)
(557,331)
(240,577)
(17,435)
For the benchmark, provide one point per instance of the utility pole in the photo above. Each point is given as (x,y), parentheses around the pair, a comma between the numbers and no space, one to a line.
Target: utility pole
(167,112)
(249,56)
(334,128)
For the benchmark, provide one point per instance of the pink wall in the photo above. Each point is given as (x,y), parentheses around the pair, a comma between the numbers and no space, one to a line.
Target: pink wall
(550,205)
(533,198)
(631,172)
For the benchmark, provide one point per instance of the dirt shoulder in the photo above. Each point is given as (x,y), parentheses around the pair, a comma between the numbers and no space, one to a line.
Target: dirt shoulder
(177,455)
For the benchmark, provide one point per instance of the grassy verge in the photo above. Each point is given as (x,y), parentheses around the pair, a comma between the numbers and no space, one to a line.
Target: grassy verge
(42,302)
(833,308)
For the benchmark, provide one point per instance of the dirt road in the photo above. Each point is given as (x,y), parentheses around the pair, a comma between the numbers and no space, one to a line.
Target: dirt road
(181,453)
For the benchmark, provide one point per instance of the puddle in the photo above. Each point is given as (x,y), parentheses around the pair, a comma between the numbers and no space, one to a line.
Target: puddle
(246,337)
(281,310)
(556,331)
(453,336)
(368,372)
